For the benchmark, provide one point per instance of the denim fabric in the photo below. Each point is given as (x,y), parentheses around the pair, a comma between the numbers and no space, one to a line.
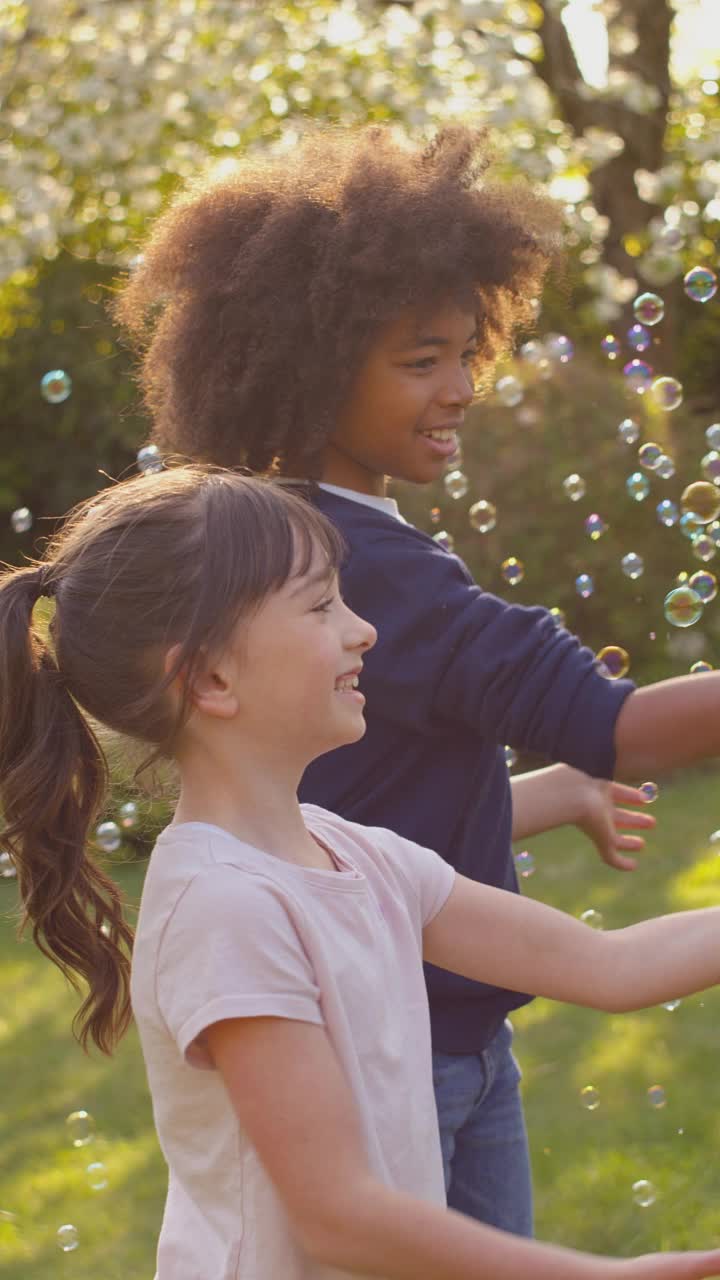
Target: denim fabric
(483,1135)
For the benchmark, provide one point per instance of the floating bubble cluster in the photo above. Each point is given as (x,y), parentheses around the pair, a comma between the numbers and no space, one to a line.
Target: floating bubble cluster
(483,516)
(638,375)
(590,1097)
(444,539)
(632,565)
(700,284)
(96,1174)
(611,346)
(595,526)
(557,616)
(21,520)
(638,486)
(705,584)
(129,814)
(644,1193)
(81,1128)
(650,791)
(456,484)
(574,487)
(67,1237)
(56,386)
(512,570)
(704,547)
(648,308)
(665,468)
(509,390)
(149,460)
(524,863)
(667,393)
(649,455)
(108,836)
(593,918)
(690,525)
(656,1096)
(614,661)
(702,498)
(667,513)
(639,337)
(698,668)
(584,585)
(8,870)
(682,607)
(628,431)
(510,756)
(712,435)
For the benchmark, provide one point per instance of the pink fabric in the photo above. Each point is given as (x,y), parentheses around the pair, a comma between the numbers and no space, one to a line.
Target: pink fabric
(227,931)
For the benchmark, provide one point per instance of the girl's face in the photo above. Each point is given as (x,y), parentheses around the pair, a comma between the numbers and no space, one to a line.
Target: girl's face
(297,665)
(407,403)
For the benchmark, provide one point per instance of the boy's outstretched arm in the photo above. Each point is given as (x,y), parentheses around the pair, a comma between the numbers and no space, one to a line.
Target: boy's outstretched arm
(490,935)
(562,796)
(669,724)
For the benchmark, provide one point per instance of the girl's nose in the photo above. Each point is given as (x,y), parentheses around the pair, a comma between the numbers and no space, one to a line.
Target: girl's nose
(459,389)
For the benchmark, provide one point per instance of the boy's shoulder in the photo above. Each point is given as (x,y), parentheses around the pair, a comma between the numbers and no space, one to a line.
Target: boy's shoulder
(369,529)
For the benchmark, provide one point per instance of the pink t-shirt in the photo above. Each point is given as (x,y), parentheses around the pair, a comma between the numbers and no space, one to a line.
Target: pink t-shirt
(227,931)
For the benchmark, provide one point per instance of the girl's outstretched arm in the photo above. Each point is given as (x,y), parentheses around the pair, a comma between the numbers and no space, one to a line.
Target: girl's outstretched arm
(560,796)
(494,936)
(296,1107)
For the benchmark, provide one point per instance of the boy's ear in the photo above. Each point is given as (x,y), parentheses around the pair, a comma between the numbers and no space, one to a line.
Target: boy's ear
(209,688)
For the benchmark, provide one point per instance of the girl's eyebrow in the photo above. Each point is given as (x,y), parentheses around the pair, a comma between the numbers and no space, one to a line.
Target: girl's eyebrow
(430,340)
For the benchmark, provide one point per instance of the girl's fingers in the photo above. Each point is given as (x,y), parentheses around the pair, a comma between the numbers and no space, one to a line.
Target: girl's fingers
(629,842)
(634,820)
(623,794)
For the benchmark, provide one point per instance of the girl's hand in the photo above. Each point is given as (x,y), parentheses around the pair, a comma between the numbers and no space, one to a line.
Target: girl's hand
(603,822)
(672,1266)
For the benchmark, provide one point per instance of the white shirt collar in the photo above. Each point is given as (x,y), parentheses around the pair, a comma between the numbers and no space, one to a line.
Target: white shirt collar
(388,505)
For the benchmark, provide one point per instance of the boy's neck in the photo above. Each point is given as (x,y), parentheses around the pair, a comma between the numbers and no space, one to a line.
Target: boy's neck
(346,473)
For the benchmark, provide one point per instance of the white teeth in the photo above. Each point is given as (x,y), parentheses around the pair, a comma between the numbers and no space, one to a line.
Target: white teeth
(440,434)
(346,684)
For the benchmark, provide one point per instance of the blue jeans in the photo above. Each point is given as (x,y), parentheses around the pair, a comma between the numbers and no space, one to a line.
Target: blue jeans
(483,1136)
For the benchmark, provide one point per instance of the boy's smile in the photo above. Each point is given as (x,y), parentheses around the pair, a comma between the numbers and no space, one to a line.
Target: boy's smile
(406,404)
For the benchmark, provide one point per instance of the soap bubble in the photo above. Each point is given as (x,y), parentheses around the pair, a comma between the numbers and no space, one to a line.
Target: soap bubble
(710,466)
(649,454)
(671,1005)
(509,390)
(510,756)
(638,375)
(648,308)
(639,337)
(524,863)
(698,668)
(483,516)
(650,791)
(532,351)
(595,526)
(611,346)
(557,616)
(444,539)
(559,347)
(456,484)
(67,1237)
(667,393)
(584,585)
(712,435)
(656,1096)
(108,836)
(614,661)
(512,570)
(574,487)
(665,468)
(714,837)
(628,431)
(667,513)
(700,284)
(21,520)
(703,499)
(638,486)
(590,1097)
(690,525)
(148,459)
(704,547)
(8,870)
(713,531)
(593,919)
(97,1176)
(128,814)
(81,1127)
(705,584)
(644,1193)
(632,565)
(55,386)
(683,607)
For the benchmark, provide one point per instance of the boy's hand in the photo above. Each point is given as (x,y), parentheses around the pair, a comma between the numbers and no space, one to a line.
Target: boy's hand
(604,822)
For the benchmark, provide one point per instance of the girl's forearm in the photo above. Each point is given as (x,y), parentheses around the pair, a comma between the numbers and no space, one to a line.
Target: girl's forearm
(546,798)
(390,1235)
(662,959)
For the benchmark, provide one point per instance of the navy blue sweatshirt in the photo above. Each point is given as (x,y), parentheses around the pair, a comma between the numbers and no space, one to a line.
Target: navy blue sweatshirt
(455,675)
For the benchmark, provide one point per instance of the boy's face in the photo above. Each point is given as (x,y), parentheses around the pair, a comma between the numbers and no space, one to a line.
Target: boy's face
(406,405)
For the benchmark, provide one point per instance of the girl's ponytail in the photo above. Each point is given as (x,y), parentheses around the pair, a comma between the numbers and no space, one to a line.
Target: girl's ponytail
(53,780)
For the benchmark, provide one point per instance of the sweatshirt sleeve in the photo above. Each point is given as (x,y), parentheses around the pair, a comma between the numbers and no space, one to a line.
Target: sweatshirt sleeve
(449,653)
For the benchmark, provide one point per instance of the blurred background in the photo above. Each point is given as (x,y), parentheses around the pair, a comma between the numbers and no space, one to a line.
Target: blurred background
(106,107)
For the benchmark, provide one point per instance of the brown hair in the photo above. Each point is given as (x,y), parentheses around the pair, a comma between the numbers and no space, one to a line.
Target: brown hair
(171,558)
(258,296)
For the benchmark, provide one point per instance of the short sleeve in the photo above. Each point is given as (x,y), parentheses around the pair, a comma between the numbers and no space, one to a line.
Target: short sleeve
(428,878)
(231,950)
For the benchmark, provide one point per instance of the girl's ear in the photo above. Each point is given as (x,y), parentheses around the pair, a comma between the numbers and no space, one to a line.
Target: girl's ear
(211,691)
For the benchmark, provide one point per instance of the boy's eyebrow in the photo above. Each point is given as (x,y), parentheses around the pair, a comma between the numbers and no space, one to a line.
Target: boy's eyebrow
(312,580)
(430,340)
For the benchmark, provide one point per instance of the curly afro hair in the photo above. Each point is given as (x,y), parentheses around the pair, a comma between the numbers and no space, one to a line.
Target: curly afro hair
(259,296)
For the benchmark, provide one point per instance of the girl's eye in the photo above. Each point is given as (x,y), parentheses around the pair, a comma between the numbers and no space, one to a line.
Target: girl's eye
(324,606)
(427,362)
(469,356)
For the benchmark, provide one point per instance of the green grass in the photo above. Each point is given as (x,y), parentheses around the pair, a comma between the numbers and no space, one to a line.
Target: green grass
(585,1162)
